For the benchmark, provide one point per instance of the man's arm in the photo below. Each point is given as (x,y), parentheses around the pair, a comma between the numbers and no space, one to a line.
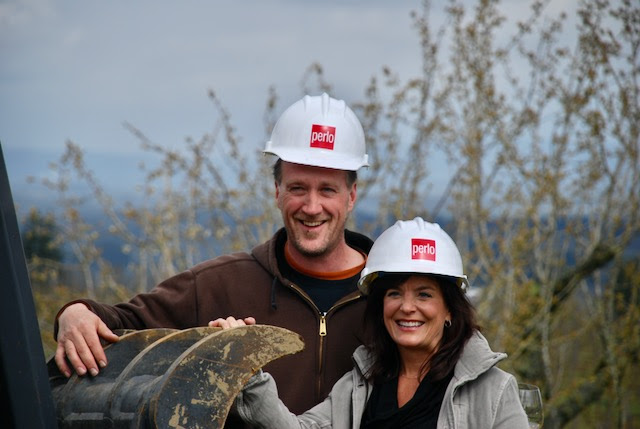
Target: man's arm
(81,325)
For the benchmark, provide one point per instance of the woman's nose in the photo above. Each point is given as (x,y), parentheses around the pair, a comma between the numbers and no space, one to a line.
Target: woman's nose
(407,305)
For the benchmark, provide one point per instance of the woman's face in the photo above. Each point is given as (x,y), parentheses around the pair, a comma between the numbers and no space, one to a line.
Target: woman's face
(414,314)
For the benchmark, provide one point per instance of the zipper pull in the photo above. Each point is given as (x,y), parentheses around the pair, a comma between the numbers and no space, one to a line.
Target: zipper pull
(323,325)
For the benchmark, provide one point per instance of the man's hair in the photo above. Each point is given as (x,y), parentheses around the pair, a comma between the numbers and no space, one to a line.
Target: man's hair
(352,176)
(384,349)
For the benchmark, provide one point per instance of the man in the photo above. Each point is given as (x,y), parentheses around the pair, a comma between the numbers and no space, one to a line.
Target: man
(303,279)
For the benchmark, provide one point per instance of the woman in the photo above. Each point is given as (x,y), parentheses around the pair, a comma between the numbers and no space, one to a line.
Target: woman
(426,365)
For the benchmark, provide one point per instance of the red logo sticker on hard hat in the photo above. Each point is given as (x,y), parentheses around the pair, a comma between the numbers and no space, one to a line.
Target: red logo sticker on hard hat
(423,249)
(323,136)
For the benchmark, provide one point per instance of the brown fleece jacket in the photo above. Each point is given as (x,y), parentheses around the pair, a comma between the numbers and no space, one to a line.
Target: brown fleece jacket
(243,285)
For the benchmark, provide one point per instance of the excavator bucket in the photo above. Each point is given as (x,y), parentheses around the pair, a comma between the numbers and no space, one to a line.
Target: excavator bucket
(164,378)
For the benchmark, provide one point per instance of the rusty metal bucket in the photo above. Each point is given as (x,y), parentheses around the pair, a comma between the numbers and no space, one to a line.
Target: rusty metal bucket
(168,378)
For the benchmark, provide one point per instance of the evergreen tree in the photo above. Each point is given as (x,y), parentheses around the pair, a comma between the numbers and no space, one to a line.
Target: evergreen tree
(39,237)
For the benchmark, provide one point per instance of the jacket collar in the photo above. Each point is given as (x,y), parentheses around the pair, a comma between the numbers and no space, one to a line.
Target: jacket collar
(266,253)
(476,359)
(362,359)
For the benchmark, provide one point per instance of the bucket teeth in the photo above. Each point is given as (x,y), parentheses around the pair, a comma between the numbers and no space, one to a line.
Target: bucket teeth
(169,378)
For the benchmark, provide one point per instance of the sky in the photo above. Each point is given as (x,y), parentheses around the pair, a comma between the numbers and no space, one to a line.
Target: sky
(77,71)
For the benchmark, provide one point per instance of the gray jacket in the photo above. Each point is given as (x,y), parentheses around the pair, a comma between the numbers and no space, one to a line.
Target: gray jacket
(479,396)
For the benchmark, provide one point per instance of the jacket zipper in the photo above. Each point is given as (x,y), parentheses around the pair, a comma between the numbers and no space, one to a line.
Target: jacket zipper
(323,324)
(322,329)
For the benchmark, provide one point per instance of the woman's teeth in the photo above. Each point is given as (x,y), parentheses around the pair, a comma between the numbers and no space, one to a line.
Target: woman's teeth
(409,324)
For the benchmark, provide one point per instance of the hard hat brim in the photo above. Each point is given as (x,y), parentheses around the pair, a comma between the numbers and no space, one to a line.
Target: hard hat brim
(321,158)
(367,279)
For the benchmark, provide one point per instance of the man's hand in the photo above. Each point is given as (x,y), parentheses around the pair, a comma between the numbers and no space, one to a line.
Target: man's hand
(79,333)
(231,322)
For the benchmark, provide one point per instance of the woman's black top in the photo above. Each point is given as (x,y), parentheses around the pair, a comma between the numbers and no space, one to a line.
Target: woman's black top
(420,412)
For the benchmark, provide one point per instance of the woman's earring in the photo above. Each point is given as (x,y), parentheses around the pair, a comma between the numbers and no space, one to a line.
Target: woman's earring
(447,323)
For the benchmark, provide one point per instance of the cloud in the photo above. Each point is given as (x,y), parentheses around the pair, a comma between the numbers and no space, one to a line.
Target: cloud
(24,12)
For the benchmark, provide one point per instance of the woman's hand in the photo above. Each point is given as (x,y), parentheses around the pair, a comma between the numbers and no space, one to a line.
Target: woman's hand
(232,322)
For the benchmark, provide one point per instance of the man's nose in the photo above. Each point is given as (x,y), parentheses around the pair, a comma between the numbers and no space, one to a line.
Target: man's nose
(312,204)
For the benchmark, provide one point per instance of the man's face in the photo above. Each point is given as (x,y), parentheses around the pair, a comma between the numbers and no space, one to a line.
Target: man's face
(315,203)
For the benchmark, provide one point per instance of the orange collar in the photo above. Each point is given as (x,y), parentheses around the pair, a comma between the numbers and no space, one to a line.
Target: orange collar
(336,275)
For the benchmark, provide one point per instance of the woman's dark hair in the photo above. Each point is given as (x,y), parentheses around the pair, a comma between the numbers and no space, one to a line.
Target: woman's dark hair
(386,358)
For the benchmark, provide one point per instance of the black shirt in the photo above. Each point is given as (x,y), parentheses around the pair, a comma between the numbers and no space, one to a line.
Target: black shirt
(324,293)
(420,412)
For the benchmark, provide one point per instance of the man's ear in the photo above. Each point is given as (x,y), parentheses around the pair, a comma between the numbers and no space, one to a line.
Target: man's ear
(353,196)
(277,193)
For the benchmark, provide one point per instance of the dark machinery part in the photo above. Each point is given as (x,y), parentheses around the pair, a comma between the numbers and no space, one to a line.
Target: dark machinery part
(169,379)
(24,391)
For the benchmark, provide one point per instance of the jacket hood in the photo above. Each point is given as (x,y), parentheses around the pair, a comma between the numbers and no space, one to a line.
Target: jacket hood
(266,253)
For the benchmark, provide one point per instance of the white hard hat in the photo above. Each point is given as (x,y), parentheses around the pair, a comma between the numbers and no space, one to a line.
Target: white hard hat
(413,246)
(319,131)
